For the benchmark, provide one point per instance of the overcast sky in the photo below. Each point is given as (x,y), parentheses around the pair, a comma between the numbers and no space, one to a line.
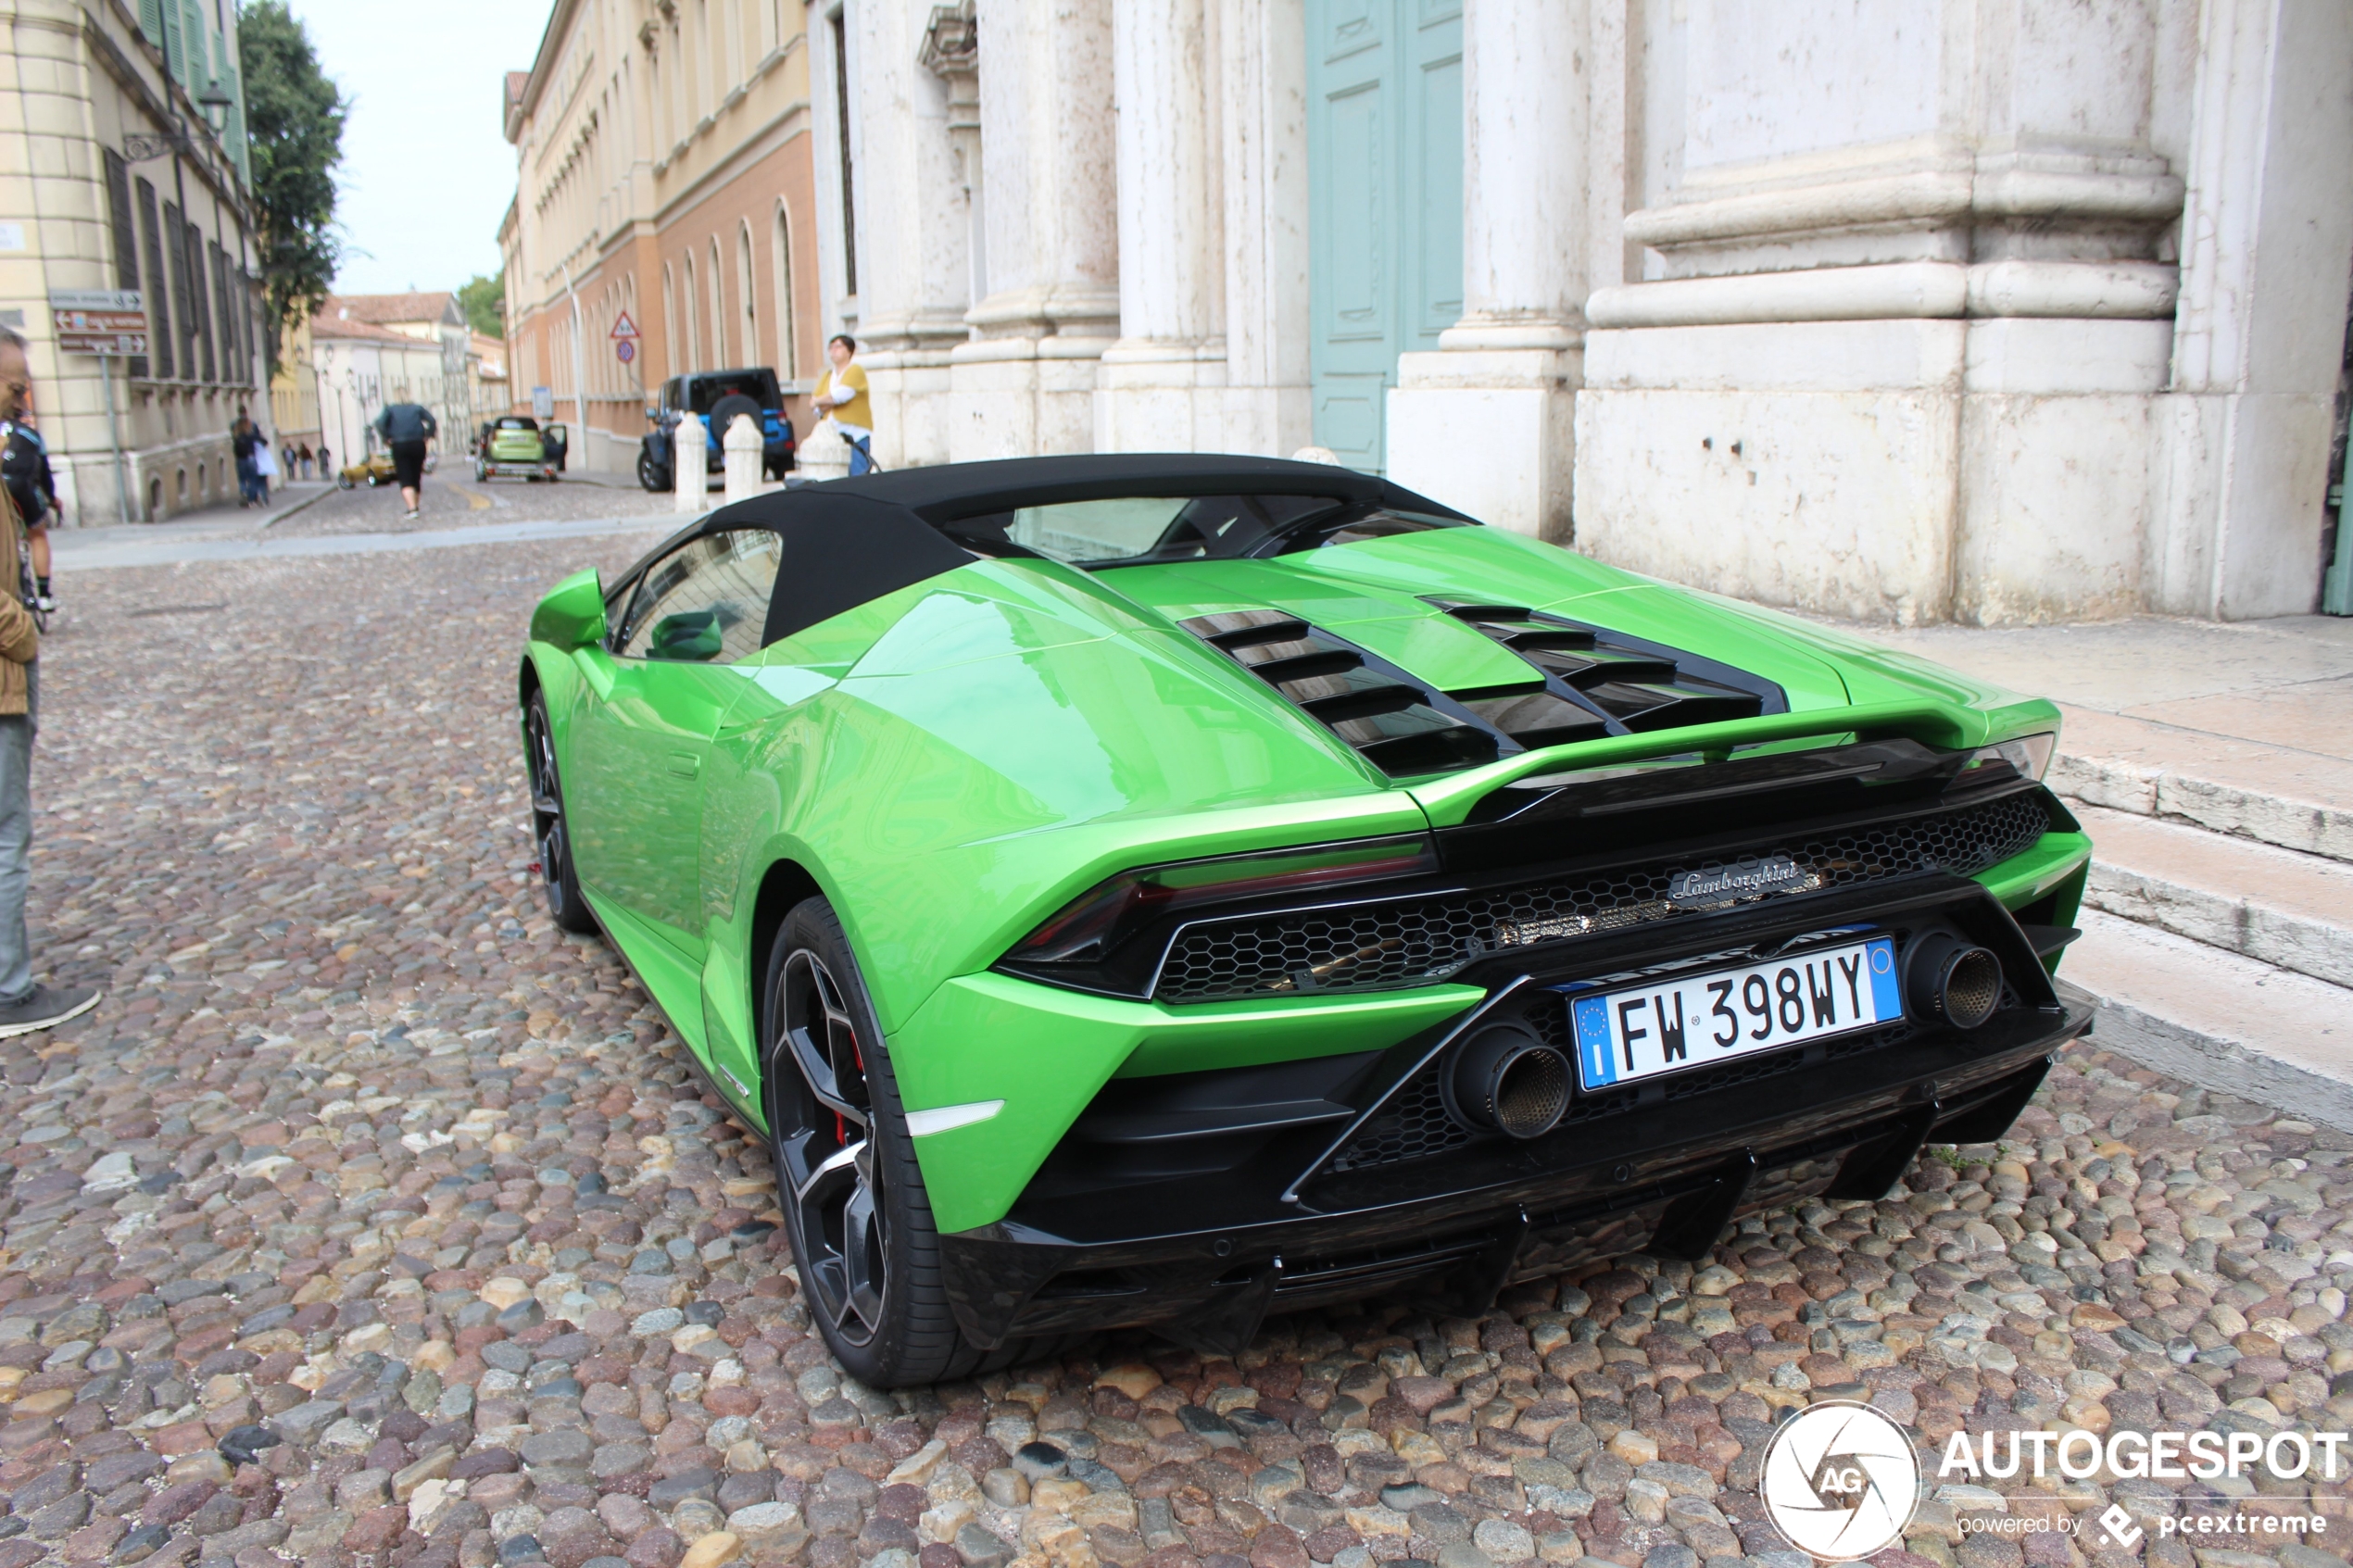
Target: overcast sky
(426,173)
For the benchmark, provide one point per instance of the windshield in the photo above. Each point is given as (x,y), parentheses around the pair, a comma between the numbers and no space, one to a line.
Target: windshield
(1135,530)
(759,385)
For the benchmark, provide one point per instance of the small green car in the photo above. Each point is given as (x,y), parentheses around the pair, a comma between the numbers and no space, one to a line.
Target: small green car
(1166,891)
(513,447)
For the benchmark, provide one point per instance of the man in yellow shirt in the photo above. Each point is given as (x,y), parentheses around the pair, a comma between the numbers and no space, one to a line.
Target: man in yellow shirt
(842,397)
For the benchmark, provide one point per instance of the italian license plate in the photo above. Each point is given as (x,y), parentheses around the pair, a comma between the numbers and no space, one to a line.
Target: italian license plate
(1647,1030)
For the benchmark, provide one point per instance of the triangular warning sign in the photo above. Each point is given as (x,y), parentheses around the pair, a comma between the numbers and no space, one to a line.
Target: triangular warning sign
(624,327)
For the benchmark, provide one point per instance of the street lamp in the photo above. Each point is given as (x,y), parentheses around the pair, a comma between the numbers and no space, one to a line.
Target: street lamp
(215,103)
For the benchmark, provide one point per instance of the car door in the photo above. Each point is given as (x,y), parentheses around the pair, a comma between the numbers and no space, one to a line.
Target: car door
(657,693)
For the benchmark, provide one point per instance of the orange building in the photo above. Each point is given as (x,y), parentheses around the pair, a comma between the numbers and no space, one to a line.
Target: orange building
(662,170)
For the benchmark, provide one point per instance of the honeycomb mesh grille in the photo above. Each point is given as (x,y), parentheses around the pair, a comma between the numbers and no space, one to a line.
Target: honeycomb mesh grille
(1412,1126)
(1418,941)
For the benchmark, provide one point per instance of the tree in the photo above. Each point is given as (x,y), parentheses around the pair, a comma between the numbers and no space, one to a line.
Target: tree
(484,299)
(294,131)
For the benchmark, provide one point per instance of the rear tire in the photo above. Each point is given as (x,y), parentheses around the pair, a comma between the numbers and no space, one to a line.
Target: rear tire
(548,829)
(856,1212)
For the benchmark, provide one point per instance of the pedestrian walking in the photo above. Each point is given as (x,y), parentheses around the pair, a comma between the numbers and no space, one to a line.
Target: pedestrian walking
(24,467)
(245,441)
(302,455)
(407,427)
(25,1005)
(841,397)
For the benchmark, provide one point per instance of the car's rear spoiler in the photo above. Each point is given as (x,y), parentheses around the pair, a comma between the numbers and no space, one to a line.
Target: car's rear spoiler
(1451,800)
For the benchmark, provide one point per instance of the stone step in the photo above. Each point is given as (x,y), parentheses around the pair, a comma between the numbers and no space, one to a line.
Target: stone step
(2230,1024)
(2274,794)
(2279,908)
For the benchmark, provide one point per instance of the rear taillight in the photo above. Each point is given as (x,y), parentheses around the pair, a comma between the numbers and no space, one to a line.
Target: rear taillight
(1095,922)
(2027,756)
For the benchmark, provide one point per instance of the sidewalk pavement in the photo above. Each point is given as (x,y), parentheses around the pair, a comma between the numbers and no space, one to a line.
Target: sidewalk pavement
(2212,765)
(224,521)
(2243,727)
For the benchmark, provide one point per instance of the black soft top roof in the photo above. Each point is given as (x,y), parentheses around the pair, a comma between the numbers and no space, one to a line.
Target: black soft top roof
(960,490)
(850,541)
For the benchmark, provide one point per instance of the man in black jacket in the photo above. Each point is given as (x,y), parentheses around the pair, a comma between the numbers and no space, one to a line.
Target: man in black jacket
(405,428)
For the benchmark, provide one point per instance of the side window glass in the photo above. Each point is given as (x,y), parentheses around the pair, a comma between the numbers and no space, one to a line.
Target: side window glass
(704,603)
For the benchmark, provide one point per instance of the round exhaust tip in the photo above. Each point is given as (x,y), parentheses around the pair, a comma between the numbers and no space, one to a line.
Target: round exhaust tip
(1953,982)
(1506,1080)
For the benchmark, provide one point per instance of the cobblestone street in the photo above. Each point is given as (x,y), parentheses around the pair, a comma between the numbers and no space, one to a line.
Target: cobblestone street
(371,1220)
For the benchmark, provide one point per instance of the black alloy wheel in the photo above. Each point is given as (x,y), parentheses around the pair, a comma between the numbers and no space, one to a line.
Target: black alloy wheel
(856,1213)
(651,475)
(836,1191)
(549,830)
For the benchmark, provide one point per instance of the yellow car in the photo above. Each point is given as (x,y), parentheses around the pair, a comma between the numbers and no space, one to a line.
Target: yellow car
(374,469)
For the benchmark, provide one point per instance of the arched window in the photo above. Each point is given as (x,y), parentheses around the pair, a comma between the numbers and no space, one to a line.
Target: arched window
(693,355)
(748,292)
(788,317)
(671,362)
(608,310)
(719,359)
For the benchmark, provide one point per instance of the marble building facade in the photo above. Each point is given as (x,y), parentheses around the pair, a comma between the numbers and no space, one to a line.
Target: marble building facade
(1986,310)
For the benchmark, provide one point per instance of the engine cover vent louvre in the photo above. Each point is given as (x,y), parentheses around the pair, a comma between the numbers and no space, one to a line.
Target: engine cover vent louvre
(1625,685)
(1387,717)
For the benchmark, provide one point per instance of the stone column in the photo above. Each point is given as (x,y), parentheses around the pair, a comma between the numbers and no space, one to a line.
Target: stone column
(914,241)
(1486,422)
(1896,309)
(1158,388)
(1026,383)
(1268,402)
(2268,227)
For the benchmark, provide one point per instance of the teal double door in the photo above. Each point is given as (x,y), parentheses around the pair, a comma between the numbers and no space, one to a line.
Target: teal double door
(1385,181)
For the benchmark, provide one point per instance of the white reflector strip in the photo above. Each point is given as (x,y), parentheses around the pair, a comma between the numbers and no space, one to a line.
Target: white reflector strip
(922,1124)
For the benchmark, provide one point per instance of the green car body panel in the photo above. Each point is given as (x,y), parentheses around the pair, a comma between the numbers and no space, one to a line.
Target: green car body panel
(954,761)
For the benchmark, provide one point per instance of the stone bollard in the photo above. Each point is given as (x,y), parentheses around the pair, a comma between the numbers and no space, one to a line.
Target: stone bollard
(686,460)
(823,456)
(742,443)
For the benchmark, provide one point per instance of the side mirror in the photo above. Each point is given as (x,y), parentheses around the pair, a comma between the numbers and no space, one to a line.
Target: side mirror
(572,615)
(653,414)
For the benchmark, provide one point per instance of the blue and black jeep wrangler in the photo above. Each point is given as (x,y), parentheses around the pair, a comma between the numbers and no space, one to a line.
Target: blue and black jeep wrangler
(718,396)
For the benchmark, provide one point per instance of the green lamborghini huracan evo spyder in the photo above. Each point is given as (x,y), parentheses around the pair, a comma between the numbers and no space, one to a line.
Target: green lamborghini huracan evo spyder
(1168,890)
